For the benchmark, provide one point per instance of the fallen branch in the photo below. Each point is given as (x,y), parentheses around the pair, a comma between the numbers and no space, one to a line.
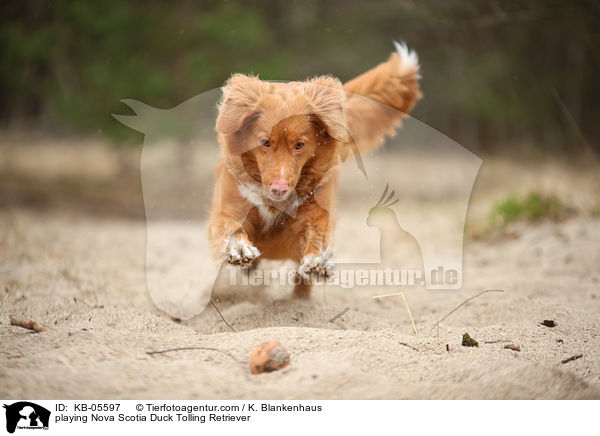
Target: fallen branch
(570,359)
(27,324)
(168,350)
(437,324)
(339,314)
(222,317)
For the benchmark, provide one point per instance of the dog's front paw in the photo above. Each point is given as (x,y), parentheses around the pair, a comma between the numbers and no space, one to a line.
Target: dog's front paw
(240,251)
(319,265)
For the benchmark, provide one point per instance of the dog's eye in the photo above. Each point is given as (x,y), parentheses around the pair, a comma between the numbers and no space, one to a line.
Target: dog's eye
(299,145)
(266,143)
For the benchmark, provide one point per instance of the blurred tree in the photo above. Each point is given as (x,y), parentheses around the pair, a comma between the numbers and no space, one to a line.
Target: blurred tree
(496,74)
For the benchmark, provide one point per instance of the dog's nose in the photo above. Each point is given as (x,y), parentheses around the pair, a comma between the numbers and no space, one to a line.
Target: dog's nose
(280,189)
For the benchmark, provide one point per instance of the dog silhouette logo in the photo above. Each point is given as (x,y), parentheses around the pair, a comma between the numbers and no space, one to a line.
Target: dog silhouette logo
(26,415)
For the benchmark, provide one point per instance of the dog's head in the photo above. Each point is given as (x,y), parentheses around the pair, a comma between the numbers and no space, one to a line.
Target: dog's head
(286,134)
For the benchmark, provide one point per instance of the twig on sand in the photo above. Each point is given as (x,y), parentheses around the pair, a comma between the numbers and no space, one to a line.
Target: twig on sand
(168,350)
(339,314)
(437,324)
(405,304)
(570,359)
(222,317)
(27,324)
(409,346)
(91,306)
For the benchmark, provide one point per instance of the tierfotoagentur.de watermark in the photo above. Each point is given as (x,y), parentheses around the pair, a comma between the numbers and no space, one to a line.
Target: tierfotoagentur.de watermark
(346,278)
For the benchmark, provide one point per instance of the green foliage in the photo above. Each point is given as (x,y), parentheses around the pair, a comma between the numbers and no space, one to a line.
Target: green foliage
(492,72)
(509,209)
(533,207)
(468,341)
(74,61)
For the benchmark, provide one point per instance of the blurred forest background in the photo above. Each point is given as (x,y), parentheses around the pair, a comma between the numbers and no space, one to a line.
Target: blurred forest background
(496,74)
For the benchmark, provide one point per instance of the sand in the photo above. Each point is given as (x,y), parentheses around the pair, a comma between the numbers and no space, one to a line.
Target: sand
(84,277)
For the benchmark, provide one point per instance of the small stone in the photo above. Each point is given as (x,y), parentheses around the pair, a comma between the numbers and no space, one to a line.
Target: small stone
(268,356)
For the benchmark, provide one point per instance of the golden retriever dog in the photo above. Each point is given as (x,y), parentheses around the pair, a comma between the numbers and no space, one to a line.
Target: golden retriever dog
(281,144)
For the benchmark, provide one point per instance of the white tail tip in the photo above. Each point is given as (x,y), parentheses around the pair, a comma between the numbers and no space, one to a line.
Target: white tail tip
(409,61)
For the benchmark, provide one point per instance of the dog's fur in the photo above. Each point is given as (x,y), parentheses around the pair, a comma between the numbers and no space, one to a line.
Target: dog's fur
(281,143)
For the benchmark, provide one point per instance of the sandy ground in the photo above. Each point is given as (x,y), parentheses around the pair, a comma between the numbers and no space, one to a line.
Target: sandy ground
(84,277)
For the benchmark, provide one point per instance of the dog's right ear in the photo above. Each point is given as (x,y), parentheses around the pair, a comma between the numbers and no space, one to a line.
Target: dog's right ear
(239,102)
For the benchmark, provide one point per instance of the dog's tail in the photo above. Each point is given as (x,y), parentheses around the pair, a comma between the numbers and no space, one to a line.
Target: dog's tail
(378,99)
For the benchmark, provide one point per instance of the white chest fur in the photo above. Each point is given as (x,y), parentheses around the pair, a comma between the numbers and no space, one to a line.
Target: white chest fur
(269,214)
(254,195)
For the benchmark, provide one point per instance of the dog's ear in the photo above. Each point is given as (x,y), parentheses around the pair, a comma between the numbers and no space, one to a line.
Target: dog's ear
(239,102)
(328,99)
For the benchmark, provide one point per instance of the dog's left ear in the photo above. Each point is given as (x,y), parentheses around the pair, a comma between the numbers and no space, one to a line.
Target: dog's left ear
(328,99)
(239,102)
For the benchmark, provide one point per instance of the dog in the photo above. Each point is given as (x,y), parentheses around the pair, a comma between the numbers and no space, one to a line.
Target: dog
(281,144)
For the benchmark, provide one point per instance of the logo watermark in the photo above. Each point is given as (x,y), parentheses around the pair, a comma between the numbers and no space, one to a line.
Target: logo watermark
(389,205)
(346,278)
(24,415)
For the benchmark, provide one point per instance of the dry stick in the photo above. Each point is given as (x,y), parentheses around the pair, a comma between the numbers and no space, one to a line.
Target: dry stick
(395,294)
(405,304)
(222,317)
(27,324)
(437,324)
(168,350)
(409,346)
(339,314)
(570,359)
(95,306)
(409,314)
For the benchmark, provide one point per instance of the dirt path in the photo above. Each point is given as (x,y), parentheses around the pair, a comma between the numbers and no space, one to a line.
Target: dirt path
(85,279)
